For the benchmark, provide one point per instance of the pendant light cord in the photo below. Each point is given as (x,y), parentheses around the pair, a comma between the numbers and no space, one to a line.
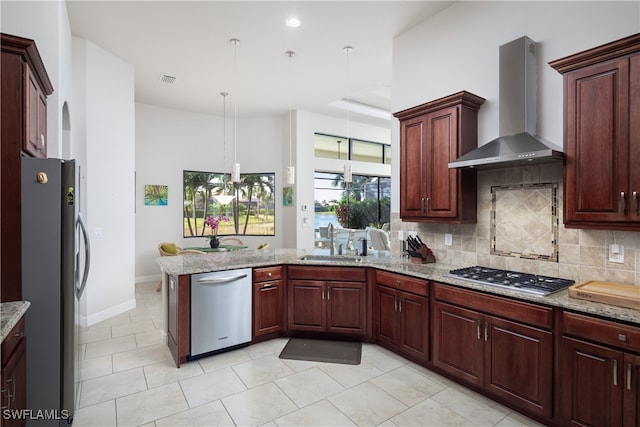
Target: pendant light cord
(224,141)
(290,54)
(235,104)
(348,50)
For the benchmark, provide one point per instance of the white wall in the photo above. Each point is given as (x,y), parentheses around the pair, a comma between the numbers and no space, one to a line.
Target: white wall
(105,126)
(458,50)
(170,141)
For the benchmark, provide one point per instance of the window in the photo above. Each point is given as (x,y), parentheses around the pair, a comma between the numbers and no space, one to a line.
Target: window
(335,147)
(252,212)
(366,202)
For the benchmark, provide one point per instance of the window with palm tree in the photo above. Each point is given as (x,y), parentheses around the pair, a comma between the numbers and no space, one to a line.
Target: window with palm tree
(252,210)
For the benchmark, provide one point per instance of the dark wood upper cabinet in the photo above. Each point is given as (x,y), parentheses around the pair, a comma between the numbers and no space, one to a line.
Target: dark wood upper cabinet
(602,136)
(23,108)
(431,136)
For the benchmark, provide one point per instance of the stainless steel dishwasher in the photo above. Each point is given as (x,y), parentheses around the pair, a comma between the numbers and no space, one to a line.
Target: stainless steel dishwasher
(220,310)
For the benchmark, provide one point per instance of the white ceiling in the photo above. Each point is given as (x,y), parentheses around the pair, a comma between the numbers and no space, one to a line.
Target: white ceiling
(190,41)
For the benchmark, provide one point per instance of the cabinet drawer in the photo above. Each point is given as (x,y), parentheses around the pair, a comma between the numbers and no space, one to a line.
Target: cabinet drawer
(12,340)
(267,273)
(519,311)
(602,331)
(347,274)
(405,283)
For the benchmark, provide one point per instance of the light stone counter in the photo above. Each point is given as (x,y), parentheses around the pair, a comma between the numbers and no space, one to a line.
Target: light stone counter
(218,261)
(10,315)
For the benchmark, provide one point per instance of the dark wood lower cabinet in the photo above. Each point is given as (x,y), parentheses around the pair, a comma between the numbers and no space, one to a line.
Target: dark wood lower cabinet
(178,317)
(321,306)
(330,300)
(507,358)
(402,317)
(591,395)
(519,364)
(457,346)
(632,390)
(598,374)
(403,322)
(268,301)
(13,378)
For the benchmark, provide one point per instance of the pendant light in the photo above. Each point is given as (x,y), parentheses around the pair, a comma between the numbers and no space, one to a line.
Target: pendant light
(235,168)
(291,170)
(347,176)
(224,198)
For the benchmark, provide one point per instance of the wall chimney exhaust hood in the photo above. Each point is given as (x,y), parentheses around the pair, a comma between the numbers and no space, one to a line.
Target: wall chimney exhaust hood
(518,116)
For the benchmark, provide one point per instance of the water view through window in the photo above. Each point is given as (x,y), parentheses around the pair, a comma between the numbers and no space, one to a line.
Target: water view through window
(365,203)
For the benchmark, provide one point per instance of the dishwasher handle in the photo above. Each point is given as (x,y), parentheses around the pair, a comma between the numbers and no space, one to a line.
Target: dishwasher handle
(221,280)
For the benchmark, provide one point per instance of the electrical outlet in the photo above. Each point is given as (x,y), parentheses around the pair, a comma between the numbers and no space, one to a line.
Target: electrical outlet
(616,253)
(400,235)
(448,239)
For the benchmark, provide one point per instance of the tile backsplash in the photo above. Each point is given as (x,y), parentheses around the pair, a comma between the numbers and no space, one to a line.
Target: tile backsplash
(582,254)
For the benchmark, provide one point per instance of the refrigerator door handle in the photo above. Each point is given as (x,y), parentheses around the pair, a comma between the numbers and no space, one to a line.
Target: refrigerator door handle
(87,256)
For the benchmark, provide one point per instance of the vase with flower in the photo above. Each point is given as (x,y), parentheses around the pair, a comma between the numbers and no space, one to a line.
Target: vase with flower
(214,222)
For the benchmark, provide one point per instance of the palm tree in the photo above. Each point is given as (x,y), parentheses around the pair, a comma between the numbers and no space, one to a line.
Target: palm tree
(195,189)
(251,183)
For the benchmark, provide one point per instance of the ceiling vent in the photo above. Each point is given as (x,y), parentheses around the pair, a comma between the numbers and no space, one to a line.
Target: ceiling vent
(167,79)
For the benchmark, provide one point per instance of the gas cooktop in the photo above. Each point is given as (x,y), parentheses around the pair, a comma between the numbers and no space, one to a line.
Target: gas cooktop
(524,282)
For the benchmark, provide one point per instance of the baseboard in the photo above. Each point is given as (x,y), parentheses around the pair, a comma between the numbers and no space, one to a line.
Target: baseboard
(149,278)
(108,313)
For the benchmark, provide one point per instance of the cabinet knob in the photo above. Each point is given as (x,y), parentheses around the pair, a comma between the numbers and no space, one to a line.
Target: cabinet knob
(623,207)
(42,177)
(634,196)
(622,337)
(269,274)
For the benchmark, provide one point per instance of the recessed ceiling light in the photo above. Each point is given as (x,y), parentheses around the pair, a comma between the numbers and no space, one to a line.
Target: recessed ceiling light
(293,22)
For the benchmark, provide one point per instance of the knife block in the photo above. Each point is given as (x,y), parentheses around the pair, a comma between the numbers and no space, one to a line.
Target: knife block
(426,256)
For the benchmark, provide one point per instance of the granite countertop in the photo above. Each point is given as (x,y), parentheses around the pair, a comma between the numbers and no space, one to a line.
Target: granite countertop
(190,264)
(10,315)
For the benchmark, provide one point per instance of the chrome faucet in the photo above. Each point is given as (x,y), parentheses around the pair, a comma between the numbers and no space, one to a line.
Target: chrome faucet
(330,232)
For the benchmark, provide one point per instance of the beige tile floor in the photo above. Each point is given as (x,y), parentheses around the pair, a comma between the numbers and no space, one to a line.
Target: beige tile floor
(128,379)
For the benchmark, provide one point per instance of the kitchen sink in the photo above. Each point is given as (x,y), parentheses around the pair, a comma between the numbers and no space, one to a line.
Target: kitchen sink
(330,258)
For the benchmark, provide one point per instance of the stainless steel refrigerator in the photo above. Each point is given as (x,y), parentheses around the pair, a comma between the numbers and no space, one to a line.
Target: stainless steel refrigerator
(55,265)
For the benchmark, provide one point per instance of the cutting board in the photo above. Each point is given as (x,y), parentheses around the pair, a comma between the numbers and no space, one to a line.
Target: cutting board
(608,293)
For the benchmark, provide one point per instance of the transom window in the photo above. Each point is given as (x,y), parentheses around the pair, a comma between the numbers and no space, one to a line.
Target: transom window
(336,147)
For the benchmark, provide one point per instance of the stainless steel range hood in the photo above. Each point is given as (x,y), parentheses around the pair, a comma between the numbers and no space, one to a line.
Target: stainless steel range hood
(518,116)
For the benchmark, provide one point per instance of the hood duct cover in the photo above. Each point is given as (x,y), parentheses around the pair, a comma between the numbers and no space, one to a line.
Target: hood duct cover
(518,115)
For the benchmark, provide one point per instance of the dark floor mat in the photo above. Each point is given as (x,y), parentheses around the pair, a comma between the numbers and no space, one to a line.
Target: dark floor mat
(345,352)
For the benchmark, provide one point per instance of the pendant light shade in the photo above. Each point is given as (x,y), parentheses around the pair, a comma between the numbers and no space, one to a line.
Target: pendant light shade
(291,170)
(224,198)
(348,177)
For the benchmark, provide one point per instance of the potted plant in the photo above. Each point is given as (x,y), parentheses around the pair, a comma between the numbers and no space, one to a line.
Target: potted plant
(213,222)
